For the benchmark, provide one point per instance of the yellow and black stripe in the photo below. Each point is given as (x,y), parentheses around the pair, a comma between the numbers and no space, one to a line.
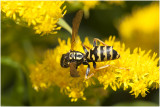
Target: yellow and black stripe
(102,53)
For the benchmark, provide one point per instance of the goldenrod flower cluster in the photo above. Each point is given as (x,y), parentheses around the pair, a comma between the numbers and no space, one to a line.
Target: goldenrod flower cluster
(116,2)
(89,4)
(141,26)
(143,71)
(42,15)
(86,5)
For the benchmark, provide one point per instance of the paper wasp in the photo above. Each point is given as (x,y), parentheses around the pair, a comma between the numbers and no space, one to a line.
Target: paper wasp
(74,58)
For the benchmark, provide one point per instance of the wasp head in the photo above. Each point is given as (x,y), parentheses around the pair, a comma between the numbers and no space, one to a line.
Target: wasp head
(65,60)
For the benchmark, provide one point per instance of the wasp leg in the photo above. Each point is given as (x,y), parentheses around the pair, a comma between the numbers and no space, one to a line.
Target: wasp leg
(94,64)
(89,76)
(87,72)
(88,69)
(112,66)
(121,68)
(95,42)
(84,48)
(96,69)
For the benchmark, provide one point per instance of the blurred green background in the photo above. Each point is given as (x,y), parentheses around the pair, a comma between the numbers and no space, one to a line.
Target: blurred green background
(20,46)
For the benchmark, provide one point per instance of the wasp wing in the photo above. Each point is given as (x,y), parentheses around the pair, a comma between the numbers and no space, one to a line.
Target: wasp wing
(73,70)
(75,26)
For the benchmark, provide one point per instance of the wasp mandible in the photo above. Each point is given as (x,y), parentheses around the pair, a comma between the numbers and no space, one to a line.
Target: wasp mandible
(74,58)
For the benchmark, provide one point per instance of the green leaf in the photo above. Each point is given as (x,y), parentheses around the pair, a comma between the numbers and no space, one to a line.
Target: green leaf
(13,83)
(65,25)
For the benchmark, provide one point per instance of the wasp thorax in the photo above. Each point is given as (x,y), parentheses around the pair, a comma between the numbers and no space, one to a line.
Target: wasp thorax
(65,60)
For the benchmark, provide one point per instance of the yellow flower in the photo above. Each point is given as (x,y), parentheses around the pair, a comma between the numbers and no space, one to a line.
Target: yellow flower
(142,74)
(86,5)
(116,2)
(89,5)
(42,15)
(139,28)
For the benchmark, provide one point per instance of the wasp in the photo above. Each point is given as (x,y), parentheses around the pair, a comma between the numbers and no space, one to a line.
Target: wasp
(74,58)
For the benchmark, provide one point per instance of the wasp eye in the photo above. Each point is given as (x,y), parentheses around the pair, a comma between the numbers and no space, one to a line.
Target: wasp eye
(64,62)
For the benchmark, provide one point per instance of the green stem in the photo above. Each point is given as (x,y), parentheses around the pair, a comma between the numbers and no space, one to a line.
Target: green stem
(65,25)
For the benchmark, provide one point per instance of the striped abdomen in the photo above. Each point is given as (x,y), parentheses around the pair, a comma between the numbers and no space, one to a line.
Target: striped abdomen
(102,53)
